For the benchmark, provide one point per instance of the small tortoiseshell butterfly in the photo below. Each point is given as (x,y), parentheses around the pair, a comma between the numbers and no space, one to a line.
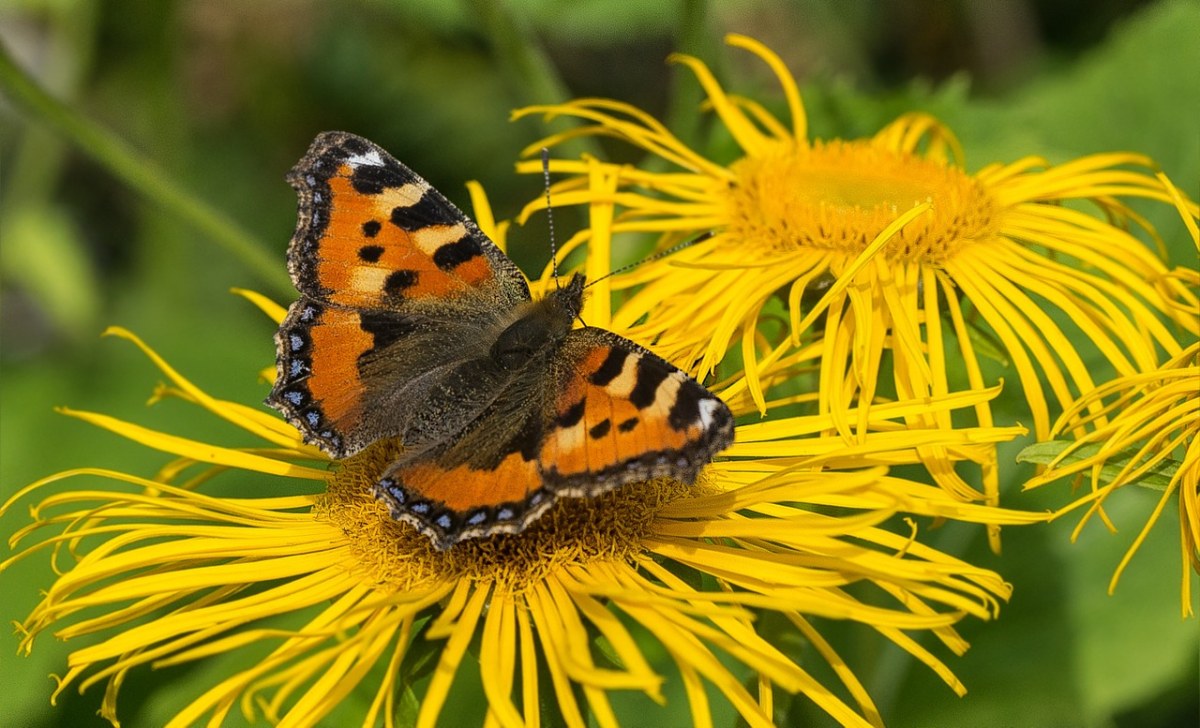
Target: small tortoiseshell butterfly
(411,324)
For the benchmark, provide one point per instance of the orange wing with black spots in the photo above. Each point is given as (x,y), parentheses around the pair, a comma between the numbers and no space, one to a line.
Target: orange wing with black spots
(450,504)
(625,415)
(617,414)
(389,271)
(317,385)
(373,234)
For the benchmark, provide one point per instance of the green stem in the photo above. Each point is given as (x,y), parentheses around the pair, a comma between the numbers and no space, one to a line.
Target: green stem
(693,37)
(138,172)
(521,58)
(526,67)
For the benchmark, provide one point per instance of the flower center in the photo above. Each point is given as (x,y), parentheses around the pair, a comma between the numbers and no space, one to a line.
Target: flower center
(573,531)
(840,195)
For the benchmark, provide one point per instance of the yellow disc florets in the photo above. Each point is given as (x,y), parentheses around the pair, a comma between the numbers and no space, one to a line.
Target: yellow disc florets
(840,195)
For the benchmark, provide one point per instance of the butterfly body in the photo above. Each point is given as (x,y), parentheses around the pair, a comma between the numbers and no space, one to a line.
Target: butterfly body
(412,325)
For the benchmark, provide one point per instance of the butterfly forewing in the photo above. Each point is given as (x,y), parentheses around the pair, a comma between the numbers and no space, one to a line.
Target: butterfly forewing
(379,256)
(372,234)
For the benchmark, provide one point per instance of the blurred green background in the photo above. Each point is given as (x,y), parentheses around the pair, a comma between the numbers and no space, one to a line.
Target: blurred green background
(222,97)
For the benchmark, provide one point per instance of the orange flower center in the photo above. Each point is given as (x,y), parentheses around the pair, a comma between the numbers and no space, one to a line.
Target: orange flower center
(840,195)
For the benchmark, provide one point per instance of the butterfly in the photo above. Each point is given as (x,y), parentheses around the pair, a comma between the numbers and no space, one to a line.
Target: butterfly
(411,324)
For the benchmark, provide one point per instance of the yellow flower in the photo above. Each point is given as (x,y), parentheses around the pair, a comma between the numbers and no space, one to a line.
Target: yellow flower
(173,576)
(894,237)
(1152,439)
(322,593)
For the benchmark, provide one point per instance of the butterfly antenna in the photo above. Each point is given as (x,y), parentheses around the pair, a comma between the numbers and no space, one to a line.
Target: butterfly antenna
(550,214)
(660,254)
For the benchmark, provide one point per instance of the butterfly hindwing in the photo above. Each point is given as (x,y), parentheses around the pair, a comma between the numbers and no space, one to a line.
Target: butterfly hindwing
(624,414)
(319,404)
(453,503)
(613,413)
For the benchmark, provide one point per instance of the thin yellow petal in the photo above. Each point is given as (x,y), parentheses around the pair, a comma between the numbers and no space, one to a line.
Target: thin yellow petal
(744,132)
(549,634)
(529,669)
(497,660)
(273,310)
(209,403)
(452,654)
(786,81)
(200,451)
(482,210)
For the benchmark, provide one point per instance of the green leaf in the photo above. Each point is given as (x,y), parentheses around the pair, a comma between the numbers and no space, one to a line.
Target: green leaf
(1128,648)
(419,656)
(407,708)
(1157,477)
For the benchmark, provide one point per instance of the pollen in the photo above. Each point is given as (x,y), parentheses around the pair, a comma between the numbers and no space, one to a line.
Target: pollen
(574,531)
(839,195)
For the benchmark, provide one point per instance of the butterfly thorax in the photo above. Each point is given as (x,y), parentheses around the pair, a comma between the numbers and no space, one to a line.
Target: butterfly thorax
(540,328)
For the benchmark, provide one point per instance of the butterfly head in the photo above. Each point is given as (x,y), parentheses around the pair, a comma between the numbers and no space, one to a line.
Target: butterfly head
(569,298)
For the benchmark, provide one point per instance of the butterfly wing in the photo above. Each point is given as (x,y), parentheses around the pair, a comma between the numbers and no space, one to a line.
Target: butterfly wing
(623,414)
(372,234)
(396,284)
(607,413)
